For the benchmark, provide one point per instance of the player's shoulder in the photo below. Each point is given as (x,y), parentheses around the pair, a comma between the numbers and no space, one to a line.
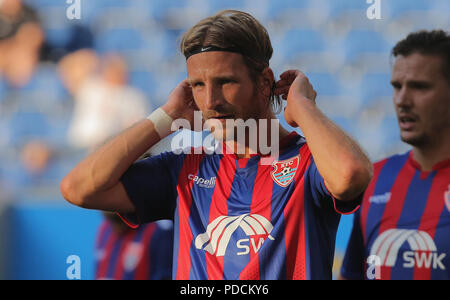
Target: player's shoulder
(393,158)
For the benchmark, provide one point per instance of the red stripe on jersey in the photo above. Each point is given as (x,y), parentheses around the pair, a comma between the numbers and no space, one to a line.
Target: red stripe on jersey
(101,233)
(119,270)
(144,267)
(106,259)
(294,218)
(261,205)
(184,189)
(219,207)
(365,206)
(394,207)
(433,211)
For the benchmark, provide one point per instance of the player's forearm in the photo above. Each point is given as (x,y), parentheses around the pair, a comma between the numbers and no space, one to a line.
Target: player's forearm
(342,163)
(102,169)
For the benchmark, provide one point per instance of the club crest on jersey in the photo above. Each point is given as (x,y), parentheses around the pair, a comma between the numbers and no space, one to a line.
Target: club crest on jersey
(132,256)
(284,171)
(447,198)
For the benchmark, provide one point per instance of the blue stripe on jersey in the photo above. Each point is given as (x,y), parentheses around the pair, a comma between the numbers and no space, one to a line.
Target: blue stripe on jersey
(208,168)
(277,255)
(129,275)
(176,246)
(415,202)
(161,253)
(101,247)
(442,242)
(239,203)
(384,184)
(114,259)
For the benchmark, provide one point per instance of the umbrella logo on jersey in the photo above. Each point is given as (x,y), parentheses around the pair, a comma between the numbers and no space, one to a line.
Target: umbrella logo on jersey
(284,171)
(423,252)
(219,232)
(447,198)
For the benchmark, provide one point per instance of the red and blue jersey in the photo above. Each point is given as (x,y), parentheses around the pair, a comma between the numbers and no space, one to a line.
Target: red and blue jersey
(402,230)
(138,254)
(241,218)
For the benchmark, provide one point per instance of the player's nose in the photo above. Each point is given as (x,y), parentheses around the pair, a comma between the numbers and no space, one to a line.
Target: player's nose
(403,97)
(213,97)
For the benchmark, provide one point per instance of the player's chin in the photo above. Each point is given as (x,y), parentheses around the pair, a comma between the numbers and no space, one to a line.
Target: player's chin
(413,138)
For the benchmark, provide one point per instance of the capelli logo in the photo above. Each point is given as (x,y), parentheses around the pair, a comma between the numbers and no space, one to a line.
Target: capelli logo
(202,182)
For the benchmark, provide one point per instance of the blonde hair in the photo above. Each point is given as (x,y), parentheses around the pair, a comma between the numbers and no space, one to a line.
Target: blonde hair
(233,29)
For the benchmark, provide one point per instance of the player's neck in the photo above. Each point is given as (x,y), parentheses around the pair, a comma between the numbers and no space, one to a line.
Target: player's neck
(247,150)
(428,156)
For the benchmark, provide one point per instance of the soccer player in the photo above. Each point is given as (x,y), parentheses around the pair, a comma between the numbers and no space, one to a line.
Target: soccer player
(123,253)
(235,216)
(402,230)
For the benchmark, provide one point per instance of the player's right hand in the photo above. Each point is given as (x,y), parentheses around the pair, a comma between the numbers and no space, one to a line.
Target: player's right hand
(181,104)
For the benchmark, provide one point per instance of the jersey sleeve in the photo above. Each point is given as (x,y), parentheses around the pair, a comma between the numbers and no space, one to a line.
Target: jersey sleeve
(323,198)
(353,264)
(151,186)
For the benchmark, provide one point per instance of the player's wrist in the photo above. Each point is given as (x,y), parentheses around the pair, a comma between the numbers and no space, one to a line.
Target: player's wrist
(162,122)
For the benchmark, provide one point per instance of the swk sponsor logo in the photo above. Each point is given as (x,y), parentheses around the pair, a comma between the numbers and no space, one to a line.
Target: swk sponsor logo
(422,254)
(219,232)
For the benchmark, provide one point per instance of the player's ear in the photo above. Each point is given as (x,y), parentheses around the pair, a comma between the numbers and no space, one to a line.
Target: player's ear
(267,80)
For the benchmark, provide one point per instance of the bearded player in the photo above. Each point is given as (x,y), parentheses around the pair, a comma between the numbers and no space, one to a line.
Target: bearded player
(235,217)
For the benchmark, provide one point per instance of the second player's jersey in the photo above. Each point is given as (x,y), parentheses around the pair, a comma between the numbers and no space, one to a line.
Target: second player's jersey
(402,230)
(239,218)
(138,254)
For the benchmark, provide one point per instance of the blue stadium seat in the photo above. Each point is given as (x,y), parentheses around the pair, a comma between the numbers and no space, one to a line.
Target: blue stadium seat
(390,130)
(324,83)
(337,8)
(301,40)
(143,80)
(24,125)
(399,7)
(374,86)
(359,42)
(278,8)
(160,8)
(217,5)
(120,40)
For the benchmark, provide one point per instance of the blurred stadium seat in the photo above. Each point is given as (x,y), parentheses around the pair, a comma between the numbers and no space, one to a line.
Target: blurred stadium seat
(324,83)
(399,7)
(375,86)
(298,41)
(358,42)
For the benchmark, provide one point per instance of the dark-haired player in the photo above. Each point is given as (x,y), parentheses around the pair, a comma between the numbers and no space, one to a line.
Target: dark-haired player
(402,230)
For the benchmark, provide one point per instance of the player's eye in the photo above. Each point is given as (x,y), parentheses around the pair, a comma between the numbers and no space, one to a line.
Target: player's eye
(197,84)
(396,85)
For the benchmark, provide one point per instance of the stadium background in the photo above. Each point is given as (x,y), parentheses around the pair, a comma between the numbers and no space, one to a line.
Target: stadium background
(345,55)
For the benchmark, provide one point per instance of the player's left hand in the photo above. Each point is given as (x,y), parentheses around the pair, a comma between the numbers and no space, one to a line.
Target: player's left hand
(294,87)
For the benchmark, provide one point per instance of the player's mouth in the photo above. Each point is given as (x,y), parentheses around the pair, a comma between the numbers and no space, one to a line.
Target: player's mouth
(407,122)
(222,118)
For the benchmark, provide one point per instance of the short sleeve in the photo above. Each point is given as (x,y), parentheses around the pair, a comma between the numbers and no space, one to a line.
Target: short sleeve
(323,198)
(353,264)
(151,186)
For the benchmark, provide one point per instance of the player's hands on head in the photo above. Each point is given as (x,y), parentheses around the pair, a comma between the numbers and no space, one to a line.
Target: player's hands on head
(294,87)
(180,104)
